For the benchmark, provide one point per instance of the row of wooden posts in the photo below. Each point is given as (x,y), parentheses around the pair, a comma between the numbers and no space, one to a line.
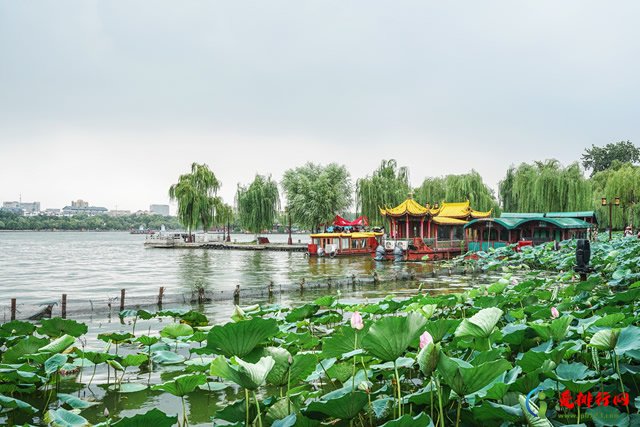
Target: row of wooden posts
(201,292)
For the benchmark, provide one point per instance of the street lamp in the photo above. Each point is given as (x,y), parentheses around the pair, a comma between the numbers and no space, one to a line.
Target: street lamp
(616,202)
(289,241)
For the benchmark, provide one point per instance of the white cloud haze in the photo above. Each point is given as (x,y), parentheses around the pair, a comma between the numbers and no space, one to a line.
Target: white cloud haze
(111,101)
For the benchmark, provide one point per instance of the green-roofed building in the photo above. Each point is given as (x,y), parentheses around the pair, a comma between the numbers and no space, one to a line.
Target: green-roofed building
(526,229)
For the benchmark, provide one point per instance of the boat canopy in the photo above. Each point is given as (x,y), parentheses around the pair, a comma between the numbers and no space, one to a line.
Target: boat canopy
(513,223)
(360,221)
(356,235)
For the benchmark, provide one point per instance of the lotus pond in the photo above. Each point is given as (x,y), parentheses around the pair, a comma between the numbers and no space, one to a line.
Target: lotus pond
(528,349)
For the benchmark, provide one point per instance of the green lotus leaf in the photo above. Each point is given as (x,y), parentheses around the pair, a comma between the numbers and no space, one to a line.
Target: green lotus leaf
(95,357)
(16,328)
(464,378)
(441,327)
(280,410)
(247,375)
(628,340)
(302,366)
(420,420)
(63,418)
(346,407)
(194,318)
(491,413)
(28,345)
(10,403)
(279,373)
(325,301)
(288,421)
(176,330)
(342,341)
(302,312)
(57,326)
(389,337)
(116,337)
(182,385)
(605,416)
(605,339)
(128,387)
(213,386)
(58,345)
(167,358)
(481,324)
(147,340)
(239,339)
(134,360)
(54,363)
(154,417)
(75,402)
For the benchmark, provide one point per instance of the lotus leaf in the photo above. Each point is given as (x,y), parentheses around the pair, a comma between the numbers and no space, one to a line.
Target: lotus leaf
(247,375)
(57,327)
(154,417)
(182,385)
(239,339)
(389,337)
(420,420)
(63,418)
(346,407)
(481,324)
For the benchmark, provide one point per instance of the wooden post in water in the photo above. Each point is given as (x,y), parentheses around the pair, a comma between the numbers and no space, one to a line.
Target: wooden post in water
(63,306)
(13,309)
(160,294)
(122,291)
(200,295)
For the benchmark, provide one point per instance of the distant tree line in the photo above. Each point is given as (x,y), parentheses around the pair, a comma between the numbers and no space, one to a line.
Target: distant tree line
(13,221)
(314,193)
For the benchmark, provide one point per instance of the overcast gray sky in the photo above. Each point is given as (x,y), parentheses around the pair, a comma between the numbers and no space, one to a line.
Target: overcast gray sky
(110,101)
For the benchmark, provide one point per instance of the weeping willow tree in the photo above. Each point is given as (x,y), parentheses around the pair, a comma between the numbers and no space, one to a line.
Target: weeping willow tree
(622,180)
(258,204)
(195,193)
(545,186)
(224,217)
(315,193)
(387,186)
(458,188)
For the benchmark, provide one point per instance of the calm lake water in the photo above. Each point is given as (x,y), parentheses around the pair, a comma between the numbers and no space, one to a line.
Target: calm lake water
(92,267)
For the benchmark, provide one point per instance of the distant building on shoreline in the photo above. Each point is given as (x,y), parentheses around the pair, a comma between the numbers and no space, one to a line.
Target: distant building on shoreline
(159,210)
(80,206)
(25,207)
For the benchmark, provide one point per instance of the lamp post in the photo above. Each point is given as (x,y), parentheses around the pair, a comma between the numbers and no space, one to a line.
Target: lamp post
(289,241)
(605,202)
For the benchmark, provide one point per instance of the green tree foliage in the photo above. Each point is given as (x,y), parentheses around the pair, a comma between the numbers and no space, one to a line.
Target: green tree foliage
(315,193)
(12,221)
(258,204)
(620,180)
(458,188)
(196,196)
(388,186)
(545,186)
(599,159)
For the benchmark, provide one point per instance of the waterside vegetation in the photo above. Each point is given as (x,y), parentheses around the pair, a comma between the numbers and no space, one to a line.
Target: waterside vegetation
(469,358)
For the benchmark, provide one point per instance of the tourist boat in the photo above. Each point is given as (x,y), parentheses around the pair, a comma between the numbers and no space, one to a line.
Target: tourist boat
(345,238)
(142,230)
(344,243)
(527,229)
(427,233)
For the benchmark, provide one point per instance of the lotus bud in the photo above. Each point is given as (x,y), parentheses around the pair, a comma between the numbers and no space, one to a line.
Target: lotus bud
(514,281)
(554,313)
(425,339)
(106,412)
(356,321)
(290,359)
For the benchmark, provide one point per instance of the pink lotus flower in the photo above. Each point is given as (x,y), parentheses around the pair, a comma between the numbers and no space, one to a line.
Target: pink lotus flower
(356,321)
(514,281)
(425,339)
(554,313)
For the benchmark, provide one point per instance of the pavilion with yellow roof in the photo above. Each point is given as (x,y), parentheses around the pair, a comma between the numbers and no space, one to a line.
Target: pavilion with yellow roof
(410,219)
